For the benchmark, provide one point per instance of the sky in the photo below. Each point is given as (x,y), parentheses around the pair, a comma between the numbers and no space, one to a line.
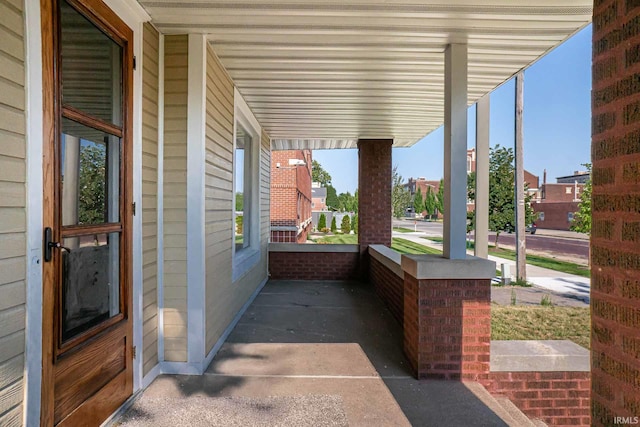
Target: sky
(557,123)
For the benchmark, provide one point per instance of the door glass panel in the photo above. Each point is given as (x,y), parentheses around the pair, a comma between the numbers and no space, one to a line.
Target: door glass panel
(91,67)
(90,175)
(90,282)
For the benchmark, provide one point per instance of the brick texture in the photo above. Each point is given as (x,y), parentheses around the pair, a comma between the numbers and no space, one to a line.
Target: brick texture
(374,192)
(374,196)
(557,398)
(615,152)
(447,328)
(290,199)
(388,287)
(314,265)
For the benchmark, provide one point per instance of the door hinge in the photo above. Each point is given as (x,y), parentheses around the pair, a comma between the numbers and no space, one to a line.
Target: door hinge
(134,62)
(134,351)
(133,208)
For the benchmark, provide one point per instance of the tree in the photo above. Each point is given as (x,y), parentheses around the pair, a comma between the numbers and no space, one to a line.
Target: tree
(400,196)
(418,202)
(322,222)
(430,202)
(345,227)
(332,198)
(582,219)
(239,202)
(502,214)
(354,223)
(318,174)
(347,202)
(334,227)
(91,185)
(440,198)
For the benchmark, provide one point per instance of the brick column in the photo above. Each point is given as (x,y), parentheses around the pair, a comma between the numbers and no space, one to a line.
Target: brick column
(615,236)
(374,196)
(447,316)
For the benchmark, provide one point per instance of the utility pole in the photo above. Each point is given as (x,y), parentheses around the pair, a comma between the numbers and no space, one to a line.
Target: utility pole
(521,246)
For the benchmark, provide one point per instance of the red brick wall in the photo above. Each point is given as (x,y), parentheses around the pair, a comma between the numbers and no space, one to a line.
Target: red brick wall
(615,240)
(557,398)
(447,328)
(374,193)
(290,236)
(558,192)
(313,265)
(389,288)
(290,198)
(556,215)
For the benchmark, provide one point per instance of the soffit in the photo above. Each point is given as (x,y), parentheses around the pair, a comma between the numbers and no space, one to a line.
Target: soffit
(322,74)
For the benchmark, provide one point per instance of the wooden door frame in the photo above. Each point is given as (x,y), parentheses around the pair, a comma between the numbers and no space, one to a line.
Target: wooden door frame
(105,19)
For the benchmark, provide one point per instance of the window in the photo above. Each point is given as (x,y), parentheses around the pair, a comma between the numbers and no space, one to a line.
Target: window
(246,189)
(570,217)
(568,190)
(242,178)
(541,216)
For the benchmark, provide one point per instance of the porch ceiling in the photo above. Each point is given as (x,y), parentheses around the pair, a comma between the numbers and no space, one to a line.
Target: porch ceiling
(321,74)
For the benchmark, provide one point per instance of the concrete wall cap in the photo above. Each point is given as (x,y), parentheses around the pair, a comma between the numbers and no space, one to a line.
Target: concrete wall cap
(315,248)
(436,267)
(539,356)
(387,257)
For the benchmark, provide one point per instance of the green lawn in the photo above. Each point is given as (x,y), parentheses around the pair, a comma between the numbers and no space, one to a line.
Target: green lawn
(403,230)
(546,262)
(399,245)
(541,323)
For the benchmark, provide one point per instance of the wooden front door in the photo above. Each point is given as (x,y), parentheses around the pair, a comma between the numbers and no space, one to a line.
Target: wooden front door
(87,319)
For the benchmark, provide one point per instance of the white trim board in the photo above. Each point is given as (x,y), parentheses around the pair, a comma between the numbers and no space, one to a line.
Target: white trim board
(196,155)
(34,138)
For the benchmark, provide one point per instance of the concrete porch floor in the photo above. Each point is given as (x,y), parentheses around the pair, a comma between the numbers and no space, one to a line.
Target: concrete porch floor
(313,353)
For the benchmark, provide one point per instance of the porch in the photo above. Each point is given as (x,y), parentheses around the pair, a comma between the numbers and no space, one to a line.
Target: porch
(314,353)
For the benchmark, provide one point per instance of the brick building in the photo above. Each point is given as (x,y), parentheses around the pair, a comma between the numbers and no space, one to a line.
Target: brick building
(290,196)
(318,197)
(557,202)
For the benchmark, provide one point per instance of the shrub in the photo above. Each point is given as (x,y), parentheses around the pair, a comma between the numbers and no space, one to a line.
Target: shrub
(239,223)
(354,224)
(322,223)
(334,227)
(346,224)
(325,230)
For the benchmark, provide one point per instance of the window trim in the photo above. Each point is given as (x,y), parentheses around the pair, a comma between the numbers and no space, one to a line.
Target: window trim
(245,259)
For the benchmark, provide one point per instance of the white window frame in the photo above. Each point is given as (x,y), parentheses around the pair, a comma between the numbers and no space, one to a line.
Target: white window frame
(246,258)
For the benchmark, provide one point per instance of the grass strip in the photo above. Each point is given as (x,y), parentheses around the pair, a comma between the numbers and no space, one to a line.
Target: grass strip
(545,262)
(403,230)
(541,323)
(398,244)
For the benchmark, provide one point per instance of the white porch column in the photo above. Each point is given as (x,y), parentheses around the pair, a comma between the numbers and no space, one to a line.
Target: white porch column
(521,248)
(481,234)
(196,121)
(455,151)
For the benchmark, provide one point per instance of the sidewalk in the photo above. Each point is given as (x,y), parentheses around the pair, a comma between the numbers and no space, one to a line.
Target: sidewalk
(556,281)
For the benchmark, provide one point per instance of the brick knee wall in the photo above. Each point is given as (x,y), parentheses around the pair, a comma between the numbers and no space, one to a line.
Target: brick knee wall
(389,288)
(447,328)
(314,265)
(615,237)
(557,398)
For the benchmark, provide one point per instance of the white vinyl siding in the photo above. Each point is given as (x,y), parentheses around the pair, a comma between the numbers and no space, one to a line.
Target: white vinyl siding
(175,198)
(224,298)
(12,211)
(150,196)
